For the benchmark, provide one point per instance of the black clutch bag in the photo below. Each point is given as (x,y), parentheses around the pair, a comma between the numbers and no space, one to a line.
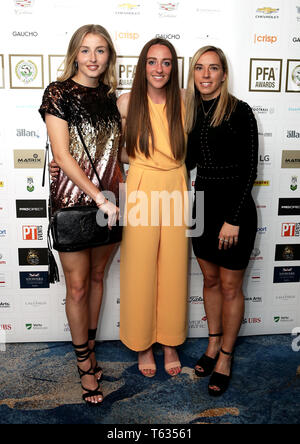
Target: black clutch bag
(76,228)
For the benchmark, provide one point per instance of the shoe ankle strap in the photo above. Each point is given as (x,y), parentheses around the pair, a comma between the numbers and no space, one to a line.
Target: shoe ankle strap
(82,352)
(92,334)
(214,335)
(226,353)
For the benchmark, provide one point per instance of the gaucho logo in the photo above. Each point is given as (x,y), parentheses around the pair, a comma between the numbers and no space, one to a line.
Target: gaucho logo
(168,36)
(31,208)
(25,33)
(289,206)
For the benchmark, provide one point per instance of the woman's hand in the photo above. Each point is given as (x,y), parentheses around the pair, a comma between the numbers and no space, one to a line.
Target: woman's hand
(112,211)
(228,236)
(53,169)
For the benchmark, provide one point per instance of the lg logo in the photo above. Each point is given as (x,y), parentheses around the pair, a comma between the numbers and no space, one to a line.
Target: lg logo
(296,340)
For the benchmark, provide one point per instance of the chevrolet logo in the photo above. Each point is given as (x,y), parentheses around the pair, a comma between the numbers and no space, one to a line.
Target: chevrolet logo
(128,6)
(267,10)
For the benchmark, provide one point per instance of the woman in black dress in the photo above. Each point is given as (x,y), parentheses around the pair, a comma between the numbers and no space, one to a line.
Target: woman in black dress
(223,145)
(84,97)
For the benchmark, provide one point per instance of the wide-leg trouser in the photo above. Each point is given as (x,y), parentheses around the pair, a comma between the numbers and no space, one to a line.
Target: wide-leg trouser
(154,261)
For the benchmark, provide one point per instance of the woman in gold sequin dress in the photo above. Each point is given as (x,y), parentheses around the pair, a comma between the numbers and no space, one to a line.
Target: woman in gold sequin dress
(84,96)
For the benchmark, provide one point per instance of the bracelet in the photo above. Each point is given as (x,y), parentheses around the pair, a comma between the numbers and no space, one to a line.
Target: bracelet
(102,203)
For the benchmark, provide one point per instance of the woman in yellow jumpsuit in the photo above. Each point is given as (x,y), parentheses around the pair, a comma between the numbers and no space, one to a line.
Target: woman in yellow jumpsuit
(154,249)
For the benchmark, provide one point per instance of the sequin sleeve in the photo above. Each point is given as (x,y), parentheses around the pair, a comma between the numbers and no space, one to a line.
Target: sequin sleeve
(54,102)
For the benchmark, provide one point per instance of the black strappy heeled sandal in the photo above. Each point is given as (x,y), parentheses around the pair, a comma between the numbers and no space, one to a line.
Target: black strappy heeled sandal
(83,353)
(207,363)
(219,380)
(97,368)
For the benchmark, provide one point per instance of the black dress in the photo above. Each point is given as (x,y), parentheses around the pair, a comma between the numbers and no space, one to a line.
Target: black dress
(226,160)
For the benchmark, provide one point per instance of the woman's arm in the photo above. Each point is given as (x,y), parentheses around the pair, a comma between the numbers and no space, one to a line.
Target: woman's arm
(122,104)
(59,138)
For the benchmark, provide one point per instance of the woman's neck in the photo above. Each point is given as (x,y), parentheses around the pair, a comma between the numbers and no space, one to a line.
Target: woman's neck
(89,83)
(157,96)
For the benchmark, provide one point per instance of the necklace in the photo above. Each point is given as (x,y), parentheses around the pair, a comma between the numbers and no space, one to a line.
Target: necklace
(207,112)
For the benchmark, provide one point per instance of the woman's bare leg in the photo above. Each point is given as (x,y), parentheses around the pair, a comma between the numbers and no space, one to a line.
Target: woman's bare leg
(213,305)
(232,314)
(99,258)
(76,268)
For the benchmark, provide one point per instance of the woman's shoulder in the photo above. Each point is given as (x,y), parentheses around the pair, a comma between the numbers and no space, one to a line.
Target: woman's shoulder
(122,103)
(242,106)
(242,110)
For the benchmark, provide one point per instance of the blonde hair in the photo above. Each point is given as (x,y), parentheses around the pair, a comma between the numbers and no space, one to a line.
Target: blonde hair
(109,76)
(226,103)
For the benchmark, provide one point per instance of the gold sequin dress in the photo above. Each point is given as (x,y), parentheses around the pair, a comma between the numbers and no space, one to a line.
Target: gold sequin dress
(97,116)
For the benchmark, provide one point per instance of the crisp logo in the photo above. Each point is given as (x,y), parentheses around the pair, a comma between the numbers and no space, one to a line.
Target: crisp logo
(265,38)
(127,35)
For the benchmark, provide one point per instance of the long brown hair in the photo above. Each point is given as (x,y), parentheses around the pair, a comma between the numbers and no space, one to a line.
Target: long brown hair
(226,103)
(138,124)
(109,75)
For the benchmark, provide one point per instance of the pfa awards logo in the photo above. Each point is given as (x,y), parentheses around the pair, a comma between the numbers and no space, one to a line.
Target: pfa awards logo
(126,67)
(26,71)
(293,76)
(265,75)
(56,66)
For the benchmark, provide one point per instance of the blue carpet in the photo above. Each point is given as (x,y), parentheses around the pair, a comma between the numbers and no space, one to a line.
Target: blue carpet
(39,385)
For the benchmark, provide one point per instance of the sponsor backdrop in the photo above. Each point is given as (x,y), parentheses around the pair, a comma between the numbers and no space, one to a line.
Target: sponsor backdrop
(262,42)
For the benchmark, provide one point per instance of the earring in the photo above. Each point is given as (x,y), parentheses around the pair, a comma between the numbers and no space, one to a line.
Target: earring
(76,65)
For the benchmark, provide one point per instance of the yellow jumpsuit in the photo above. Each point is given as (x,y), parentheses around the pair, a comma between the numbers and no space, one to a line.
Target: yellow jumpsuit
(154,253)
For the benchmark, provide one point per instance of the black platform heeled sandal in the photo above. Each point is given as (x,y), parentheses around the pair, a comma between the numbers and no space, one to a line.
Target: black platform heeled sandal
(219,380)
(207,363)
(97,368)
(83,353)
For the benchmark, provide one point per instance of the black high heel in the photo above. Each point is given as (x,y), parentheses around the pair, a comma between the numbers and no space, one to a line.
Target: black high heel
(97,368)
(207,363)
(219,380)
(83,353)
